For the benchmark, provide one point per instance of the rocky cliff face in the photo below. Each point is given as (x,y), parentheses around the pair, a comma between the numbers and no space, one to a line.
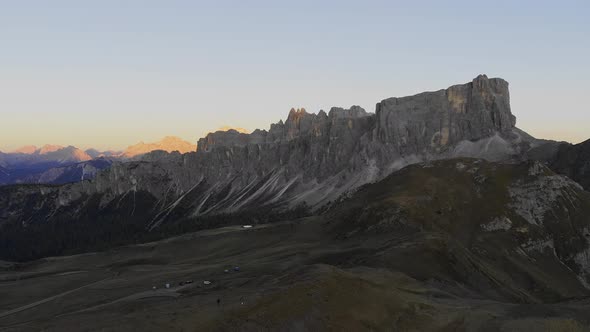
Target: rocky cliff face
(310,159)
(434,120)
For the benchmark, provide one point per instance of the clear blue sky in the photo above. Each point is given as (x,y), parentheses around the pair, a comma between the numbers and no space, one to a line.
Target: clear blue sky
(110,73)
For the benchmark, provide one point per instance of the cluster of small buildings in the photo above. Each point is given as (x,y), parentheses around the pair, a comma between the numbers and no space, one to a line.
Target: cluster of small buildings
(187,282)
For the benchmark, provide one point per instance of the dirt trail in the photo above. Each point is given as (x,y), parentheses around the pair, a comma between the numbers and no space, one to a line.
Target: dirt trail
(37,303)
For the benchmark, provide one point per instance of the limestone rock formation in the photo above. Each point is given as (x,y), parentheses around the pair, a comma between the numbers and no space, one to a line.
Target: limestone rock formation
(444,118)
(308,160)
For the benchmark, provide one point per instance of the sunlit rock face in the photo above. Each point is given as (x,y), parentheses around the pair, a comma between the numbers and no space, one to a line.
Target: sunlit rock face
(434,120)
(311,159)
(168,144)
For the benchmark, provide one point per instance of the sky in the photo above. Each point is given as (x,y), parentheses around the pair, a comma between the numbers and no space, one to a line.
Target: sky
(107,74)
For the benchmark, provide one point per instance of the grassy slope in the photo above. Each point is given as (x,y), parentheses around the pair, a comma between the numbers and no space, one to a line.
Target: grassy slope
(406,254)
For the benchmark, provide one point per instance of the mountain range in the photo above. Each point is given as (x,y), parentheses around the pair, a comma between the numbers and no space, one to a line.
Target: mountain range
(306,163)
(168,144)
(54,164)
(433,213)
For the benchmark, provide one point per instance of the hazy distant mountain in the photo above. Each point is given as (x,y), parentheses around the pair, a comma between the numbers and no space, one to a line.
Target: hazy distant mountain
(31,154)
(94,153)
(55,164)
(29,149)
(46,153)
(49,148)
(67,154)
(71,173)
(4,175)
(30,161)
(238,129)
(168,144)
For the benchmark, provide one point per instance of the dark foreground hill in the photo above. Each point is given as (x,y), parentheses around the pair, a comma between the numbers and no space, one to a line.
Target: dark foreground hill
(574,161)
(454,245)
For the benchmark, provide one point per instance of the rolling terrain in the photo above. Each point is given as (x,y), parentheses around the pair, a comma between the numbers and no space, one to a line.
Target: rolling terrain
(436,246)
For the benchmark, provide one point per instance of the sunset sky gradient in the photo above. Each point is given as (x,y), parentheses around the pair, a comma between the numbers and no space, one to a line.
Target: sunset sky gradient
(108,74)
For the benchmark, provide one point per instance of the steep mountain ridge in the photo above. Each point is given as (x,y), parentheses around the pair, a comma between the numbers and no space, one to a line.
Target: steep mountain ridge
(307,161)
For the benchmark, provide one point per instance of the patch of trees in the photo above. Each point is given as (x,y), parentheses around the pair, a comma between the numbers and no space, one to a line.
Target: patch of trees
(124,221)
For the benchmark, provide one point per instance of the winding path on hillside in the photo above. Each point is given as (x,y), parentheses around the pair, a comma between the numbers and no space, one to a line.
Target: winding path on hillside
(37,303)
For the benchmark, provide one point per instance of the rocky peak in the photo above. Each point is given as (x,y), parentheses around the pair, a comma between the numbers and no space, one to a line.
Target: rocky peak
(294,114)
(223,138)
(298,123)
(353,112)
(438,119)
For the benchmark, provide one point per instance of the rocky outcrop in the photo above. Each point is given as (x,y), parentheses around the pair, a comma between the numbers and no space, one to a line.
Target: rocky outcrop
(573,161)
(308,160)
(434,120)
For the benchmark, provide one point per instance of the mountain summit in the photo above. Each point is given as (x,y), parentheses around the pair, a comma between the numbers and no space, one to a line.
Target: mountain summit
(168,144)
